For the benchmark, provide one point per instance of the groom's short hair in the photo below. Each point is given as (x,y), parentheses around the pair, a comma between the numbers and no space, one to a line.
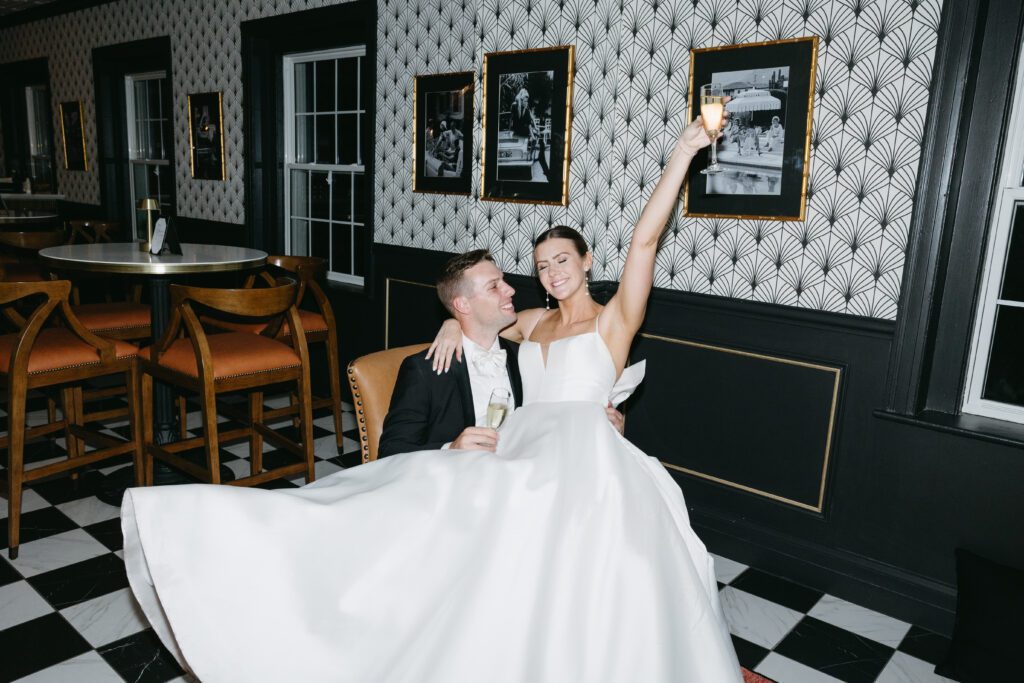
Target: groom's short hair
(449,284)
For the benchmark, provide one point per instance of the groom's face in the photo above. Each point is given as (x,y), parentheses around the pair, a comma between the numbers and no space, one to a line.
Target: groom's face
(488,298)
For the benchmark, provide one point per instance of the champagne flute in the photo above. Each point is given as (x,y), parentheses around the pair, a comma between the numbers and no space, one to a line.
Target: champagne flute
(497,407)
(712,112)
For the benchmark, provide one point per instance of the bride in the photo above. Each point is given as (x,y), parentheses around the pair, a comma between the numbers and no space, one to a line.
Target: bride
(565,556)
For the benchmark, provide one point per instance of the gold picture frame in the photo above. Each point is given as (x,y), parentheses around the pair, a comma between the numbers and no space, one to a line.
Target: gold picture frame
(206,136)
(765,148)
(527,125)
(72,132)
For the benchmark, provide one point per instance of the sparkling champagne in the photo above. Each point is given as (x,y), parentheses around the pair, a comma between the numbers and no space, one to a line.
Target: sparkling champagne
(496,414)
(712,109)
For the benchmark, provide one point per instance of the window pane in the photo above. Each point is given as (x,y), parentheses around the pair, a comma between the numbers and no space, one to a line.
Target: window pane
(348,84)
(360,245)
(303,139)
(321,239)
(325,139)
(348,135)
(341,190)
(304,87)
(325,85)
(300,238)
(320,196)
(1004,380)
(341,252)
(1013,275)
(154,136)
(141,101)
(153,93)
(300,194)
(359,199)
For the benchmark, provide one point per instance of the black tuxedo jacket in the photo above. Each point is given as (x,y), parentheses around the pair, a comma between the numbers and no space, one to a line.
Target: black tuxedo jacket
(429,410)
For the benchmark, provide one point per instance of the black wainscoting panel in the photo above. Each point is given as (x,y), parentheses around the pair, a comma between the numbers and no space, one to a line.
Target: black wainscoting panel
(202,231)
(412,312)
(757,423)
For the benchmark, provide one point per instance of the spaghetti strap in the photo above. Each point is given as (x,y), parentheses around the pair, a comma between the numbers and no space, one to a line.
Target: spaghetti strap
(535,323)
(597,322)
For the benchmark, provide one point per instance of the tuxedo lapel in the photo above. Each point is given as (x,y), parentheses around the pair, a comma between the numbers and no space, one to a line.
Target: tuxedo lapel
(465,392)
(512,363)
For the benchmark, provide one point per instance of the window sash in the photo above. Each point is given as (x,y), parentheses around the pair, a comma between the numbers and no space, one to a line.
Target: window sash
(335,172)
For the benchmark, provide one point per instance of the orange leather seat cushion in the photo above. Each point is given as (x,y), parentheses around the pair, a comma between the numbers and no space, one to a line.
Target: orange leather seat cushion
(116,316)
(56,349)
(233,354)
(311,322)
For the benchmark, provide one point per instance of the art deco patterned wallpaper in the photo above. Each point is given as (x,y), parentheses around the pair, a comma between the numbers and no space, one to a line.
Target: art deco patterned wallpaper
(206,56)
(874,68)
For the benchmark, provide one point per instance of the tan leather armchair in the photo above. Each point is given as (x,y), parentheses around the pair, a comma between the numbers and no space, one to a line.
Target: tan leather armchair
(372,378)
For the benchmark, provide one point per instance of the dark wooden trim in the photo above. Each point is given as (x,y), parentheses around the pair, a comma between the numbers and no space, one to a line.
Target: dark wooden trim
(47,11)
(965,425)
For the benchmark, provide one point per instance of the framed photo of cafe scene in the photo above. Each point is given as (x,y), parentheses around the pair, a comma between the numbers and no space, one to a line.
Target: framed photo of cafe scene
(758,167)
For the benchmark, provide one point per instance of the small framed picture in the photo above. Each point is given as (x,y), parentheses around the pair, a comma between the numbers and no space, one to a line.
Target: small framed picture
(763,150)
(206,136)
(527,124)
(73,133)
(442,133)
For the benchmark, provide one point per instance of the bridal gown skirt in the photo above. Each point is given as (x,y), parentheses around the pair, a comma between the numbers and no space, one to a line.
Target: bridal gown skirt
(566,557)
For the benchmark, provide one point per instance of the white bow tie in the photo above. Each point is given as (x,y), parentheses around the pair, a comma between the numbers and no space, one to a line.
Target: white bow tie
(489,363)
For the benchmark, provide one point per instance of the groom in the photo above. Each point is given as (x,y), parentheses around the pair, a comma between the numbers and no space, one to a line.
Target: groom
(430,410)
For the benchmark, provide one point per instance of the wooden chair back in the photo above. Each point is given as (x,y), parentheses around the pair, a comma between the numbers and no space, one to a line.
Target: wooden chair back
(88,231)
(372,380)
(31,240)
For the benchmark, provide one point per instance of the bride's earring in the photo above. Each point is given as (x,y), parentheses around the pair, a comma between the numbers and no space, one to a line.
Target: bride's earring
(547,301)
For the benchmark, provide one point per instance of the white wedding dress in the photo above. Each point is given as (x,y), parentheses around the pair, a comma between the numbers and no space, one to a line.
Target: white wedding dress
(567,557)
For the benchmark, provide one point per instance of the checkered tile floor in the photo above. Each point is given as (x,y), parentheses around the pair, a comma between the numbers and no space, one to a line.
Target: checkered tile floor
(67,614)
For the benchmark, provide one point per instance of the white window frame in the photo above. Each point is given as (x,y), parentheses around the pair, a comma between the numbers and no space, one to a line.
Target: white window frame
(133,139)
(1009,196)
(39,151)
(289,152)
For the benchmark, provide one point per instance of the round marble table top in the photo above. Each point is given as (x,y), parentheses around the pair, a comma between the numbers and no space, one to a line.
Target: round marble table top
(125,257)
(25,217)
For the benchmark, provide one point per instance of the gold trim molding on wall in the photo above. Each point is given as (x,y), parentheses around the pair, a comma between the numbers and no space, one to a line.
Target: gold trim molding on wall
(837,377)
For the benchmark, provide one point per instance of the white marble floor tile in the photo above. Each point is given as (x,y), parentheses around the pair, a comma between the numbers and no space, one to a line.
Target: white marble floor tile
(239,467)
(20,603)
(349,445)
(85,668)
(726,570)
(30,500)
(785,670)
(346,406)
(860,620)
(114,468)
(107,618)
(57,551)
(903,668)
(755,619)
(89,510)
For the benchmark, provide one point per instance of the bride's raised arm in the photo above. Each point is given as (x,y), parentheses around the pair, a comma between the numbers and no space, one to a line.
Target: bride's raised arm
(625,311)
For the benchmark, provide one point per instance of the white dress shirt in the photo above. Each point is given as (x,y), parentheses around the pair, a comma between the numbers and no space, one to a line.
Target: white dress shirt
(480,384)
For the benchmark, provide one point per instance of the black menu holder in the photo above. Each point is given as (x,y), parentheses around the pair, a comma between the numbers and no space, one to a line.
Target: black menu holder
(171,243)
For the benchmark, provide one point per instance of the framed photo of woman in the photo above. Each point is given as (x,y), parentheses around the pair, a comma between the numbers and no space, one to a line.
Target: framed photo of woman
(527,125)
(763,151)
(442,133)
(73,134)
(206,136)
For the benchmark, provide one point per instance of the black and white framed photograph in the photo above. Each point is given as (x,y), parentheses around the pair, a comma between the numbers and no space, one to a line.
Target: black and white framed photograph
(763,148)
(73,135)
(443,133)
(527,123)
(206,136)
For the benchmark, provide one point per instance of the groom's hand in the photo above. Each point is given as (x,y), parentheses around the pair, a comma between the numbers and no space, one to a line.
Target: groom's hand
(477,439)
(616,418)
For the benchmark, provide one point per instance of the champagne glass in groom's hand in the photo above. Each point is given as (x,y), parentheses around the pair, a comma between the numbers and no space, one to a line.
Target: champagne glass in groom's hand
(498,407)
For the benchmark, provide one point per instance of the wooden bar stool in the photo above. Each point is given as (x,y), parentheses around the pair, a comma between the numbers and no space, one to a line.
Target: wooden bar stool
(318,324)
(63,357)
(88,231)
(217,364)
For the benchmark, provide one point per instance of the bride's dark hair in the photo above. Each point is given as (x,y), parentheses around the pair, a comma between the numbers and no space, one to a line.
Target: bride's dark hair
(564,232)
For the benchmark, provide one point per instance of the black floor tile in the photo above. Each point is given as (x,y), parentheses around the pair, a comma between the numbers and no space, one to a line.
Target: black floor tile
(108,533)
(279,484)
(8,574)
(38,644)
(835,651)
(141,658)
(42,449)
(749,654)
(81,581)
(348,459)
(39,524)
(931,647)
(290,432)
(778,590)
(64,489)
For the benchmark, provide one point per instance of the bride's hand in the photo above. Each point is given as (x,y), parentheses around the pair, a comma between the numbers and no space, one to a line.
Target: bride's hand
(447,342)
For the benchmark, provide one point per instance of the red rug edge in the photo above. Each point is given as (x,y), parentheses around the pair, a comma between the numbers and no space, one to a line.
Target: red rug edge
(751,677)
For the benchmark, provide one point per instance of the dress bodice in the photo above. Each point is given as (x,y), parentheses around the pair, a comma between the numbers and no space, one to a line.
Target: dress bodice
(579,368)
